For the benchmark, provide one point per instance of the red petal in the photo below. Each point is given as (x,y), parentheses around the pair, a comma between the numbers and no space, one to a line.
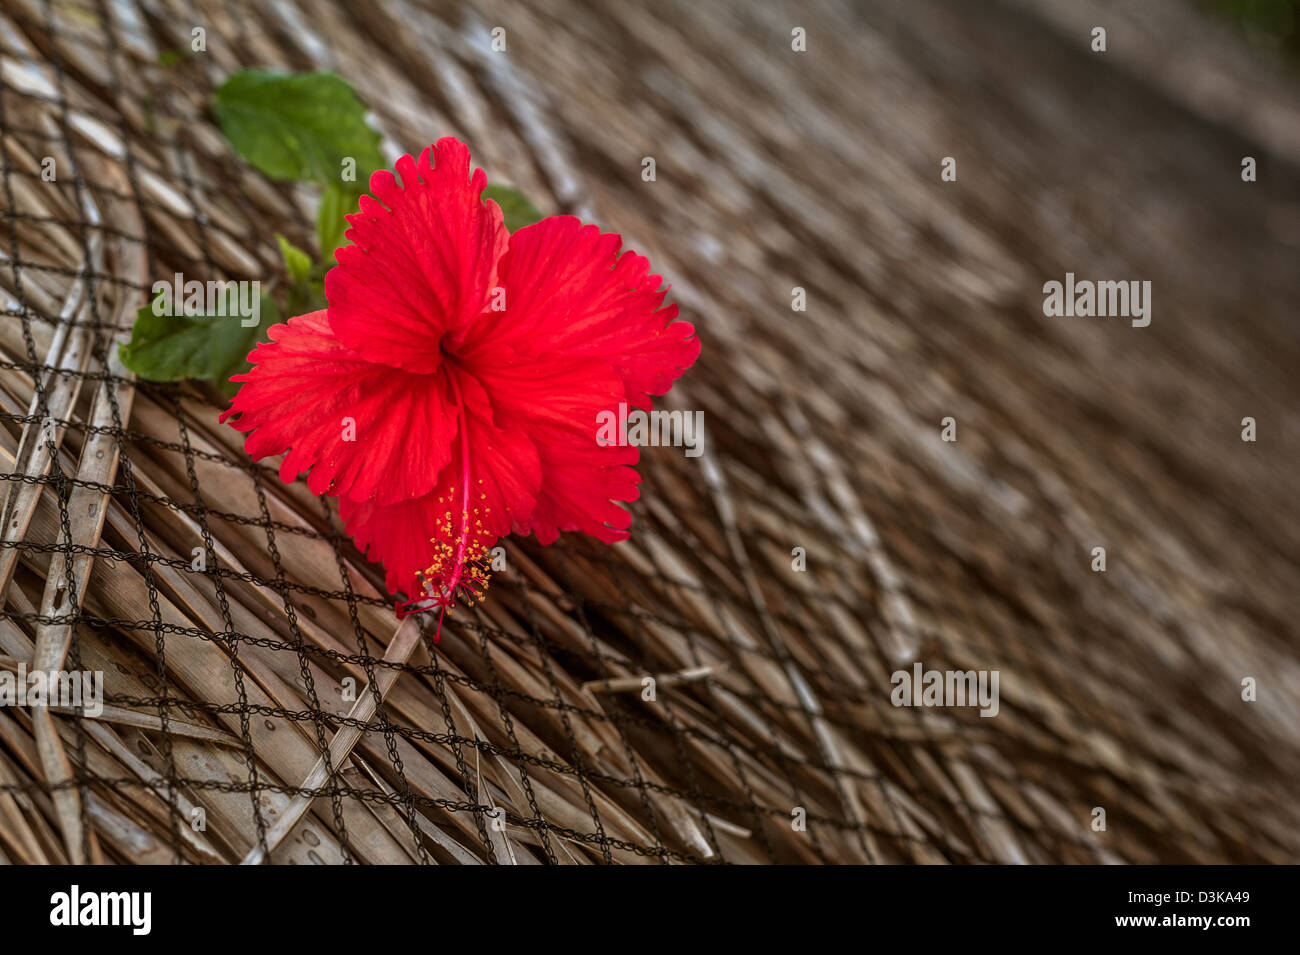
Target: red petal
(423,259)
(582,482)
(503,479)
(303,385)
(396,534)
(569,291)
(556,399)
(504,472)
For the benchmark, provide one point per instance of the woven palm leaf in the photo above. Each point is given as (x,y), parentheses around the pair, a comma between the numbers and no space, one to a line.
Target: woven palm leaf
(262,700)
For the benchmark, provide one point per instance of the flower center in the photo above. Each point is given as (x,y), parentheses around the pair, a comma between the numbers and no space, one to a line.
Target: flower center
(461,564)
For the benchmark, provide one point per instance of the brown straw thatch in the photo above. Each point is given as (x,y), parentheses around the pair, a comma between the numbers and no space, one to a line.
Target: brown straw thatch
(230,617)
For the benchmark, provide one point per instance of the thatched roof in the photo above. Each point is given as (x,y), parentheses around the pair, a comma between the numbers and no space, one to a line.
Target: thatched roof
(227,612)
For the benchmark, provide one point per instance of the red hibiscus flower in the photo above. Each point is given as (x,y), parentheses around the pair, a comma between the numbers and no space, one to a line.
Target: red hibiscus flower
(449,394)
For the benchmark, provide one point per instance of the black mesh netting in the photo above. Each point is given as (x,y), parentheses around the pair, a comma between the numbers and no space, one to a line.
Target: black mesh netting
(253,706)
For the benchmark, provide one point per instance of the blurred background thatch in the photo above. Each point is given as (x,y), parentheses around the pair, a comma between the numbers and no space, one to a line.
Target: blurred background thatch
(523,736)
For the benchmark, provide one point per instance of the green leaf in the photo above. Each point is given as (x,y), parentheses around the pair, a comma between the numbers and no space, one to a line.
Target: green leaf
(306,296)
(296,262)
(297,126)
(206,347)
(337,202)
(516,208)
